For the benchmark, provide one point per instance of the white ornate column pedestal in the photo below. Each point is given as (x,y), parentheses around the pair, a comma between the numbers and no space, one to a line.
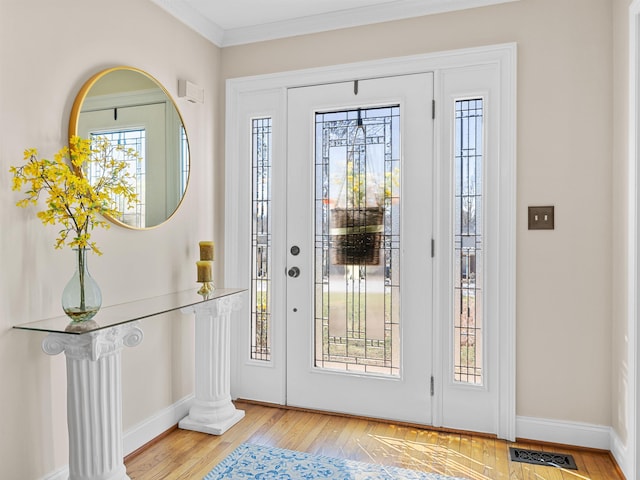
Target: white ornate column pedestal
(94,399)
(212,410)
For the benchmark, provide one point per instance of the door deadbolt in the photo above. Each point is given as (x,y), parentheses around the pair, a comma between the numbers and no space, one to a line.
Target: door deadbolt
(295,250)
(294,272)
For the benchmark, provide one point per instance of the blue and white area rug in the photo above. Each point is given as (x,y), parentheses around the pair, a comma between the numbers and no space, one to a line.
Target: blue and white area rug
(258,462)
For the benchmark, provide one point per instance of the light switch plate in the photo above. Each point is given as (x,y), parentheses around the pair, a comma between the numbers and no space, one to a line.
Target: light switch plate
(541,218)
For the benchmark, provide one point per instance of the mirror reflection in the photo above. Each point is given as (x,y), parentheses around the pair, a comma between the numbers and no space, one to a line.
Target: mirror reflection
(129,107)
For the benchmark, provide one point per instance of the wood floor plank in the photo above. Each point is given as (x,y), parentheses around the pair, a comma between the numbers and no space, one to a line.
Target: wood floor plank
(186,455)
(348,437)
(481,469)
(463,459)
(605,464)
(411,454)
(373,444)
(502,467)
(354,449)
(317,424)
(323,442)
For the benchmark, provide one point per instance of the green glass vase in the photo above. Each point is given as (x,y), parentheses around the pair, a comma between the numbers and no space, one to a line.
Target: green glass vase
(81,298)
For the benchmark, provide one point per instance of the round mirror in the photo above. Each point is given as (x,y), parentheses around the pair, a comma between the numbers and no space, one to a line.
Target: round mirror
(129,107)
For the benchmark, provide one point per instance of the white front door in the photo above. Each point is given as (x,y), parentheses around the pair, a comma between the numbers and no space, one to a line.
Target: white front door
(359,262)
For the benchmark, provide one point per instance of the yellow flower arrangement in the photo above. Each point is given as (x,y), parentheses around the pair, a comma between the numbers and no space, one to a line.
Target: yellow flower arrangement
(77,203)
(364,189)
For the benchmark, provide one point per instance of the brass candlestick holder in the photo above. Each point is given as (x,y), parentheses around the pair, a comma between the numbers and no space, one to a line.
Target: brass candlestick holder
(206,289)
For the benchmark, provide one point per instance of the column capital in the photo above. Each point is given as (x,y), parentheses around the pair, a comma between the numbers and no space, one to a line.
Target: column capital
(93,345)
(218,307)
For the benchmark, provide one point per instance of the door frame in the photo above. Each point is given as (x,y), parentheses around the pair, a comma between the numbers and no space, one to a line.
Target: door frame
(626,451)
(238,94)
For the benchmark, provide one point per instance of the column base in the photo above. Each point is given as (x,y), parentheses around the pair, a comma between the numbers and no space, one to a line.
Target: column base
(213,428)
(121,474)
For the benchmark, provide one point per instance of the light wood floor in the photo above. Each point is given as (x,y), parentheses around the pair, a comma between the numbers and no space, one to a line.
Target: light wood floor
(182,454)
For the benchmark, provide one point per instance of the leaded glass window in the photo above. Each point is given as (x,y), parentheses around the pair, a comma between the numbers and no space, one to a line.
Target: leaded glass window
(357,241)
(261,240)
(468,242)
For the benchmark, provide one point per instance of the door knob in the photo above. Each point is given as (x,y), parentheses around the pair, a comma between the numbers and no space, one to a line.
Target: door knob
(294,272)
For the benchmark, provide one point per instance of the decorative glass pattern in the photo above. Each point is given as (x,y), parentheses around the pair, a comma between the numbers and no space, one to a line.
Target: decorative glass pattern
(131,214)
(468,235)
(261,240)
(357,241)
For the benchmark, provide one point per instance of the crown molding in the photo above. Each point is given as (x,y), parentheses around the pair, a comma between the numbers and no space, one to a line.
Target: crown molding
(183,11)
(192,18)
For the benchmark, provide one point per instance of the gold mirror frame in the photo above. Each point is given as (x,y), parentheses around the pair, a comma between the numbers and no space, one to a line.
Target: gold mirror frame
(174,188)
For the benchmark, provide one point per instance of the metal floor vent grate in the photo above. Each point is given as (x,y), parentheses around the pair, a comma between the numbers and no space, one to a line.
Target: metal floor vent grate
(547,459)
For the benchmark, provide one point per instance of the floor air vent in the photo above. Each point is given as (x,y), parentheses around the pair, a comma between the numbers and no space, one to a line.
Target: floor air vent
(547,459)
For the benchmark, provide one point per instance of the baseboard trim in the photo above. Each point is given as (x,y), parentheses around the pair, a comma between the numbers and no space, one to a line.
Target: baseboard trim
(144,432)
(155,425)
(62,474)
(564,433)
(619,453)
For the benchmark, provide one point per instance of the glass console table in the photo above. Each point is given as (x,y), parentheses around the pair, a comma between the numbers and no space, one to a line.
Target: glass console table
(94,390)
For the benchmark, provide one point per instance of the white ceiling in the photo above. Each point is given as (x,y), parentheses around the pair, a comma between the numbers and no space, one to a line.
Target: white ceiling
(234,22)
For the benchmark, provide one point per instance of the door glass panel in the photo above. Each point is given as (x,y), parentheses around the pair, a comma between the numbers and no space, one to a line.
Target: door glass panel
(357,241)
(468,235)
(261,240)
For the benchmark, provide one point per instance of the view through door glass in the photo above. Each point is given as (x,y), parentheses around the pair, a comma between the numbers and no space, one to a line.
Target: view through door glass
(357,240)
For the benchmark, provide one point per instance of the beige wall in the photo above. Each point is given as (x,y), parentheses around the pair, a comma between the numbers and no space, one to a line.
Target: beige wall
(564,159)
(47,51)
(570,293)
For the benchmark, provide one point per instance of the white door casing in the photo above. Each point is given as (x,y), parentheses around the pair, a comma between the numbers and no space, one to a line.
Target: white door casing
(627,451)
(266,381)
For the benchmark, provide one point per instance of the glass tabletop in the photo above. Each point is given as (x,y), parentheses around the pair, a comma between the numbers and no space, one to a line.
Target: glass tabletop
(127,312)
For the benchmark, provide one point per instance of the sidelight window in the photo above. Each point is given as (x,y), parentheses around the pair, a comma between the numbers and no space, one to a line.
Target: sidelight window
(468,239)
(261,240)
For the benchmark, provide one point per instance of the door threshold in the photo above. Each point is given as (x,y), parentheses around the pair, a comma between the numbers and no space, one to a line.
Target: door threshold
(376,419)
